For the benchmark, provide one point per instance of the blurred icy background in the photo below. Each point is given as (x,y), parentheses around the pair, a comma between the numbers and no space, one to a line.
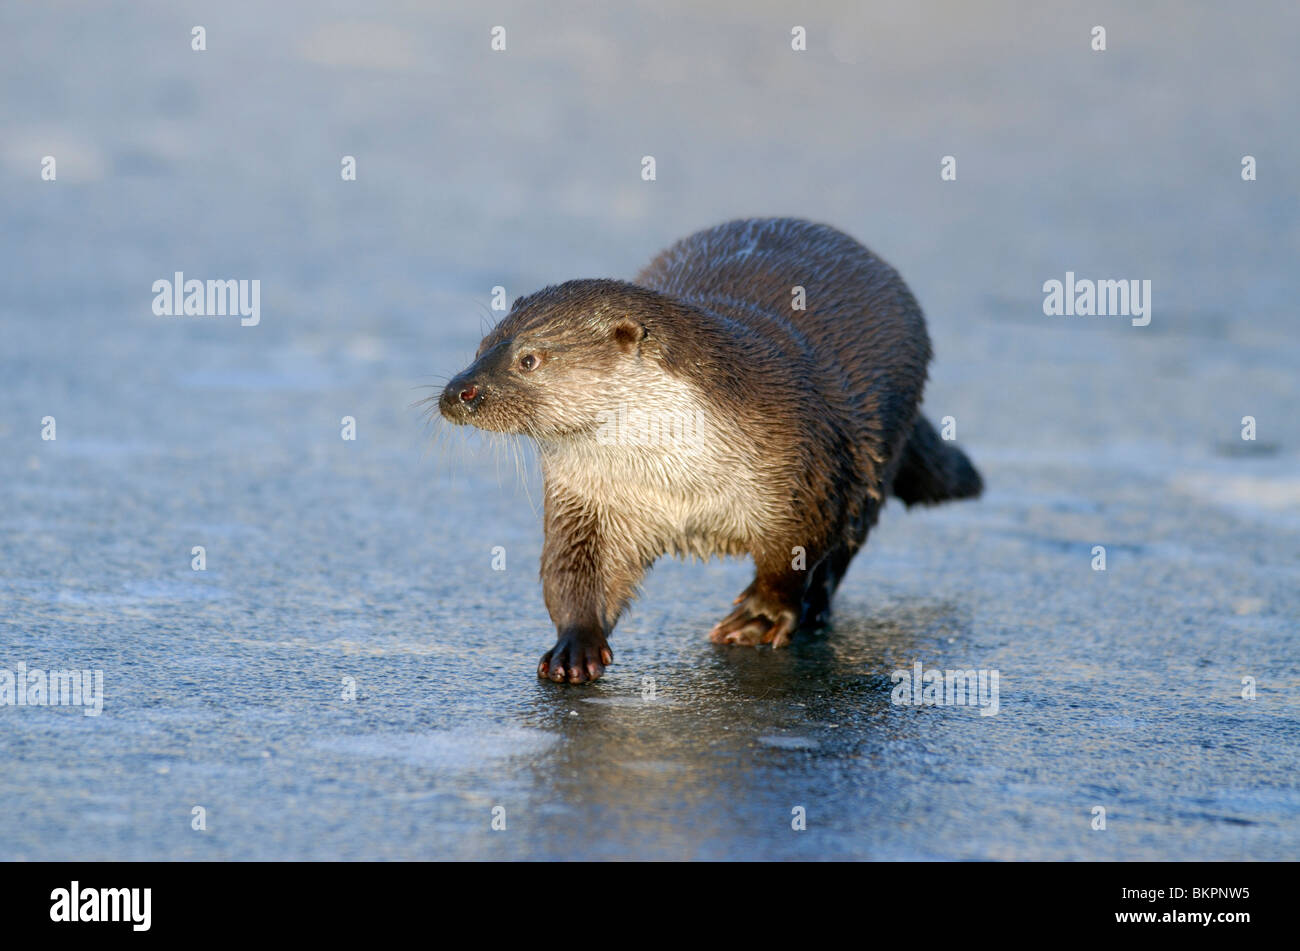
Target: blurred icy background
(370,559)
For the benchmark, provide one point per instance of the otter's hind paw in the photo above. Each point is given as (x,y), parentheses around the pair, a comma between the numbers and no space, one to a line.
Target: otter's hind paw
(756,620)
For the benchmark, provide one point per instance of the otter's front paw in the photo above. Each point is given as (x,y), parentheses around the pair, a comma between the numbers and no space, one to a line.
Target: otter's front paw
(757,619)
(575,658)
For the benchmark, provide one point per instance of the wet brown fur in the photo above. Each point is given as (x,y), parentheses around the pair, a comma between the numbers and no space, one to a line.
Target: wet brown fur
(810,422)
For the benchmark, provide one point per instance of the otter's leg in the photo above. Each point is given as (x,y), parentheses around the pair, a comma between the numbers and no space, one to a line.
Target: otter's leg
(587,581)
(823,581)
(769,610)
(830,570)
(821,588)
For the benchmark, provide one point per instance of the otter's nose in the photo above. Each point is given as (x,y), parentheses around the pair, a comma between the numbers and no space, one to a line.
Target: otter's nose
(459,399)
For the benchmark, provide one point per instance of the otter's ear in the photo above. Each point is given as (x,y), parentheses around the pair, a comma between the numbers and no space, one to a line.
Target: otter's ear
(629,333)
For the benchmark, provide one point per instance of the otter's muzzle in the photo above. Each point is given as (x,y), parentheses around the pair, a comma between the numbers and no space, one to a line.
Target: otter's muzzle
(460,399)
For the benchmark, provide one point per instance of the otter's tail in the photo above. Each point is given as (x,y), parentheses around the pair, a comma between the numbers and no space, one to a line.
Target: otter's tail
(933,471)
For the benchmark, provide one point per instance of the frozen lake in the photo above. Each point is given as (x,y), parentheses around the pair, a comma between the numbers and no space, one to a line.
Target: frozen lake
(368,562)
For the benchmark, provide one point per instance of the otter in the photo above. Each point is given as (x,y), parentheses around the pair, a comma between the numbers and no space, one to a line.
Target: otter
(754,391)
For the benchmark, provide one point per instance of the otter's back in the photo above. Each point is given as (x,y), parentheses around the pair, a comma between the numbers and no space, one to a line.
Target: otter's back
(860,323)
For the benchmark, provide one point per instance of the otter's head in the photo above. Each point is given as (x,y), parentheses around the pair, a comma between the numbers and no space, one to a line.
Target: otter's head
(559,363)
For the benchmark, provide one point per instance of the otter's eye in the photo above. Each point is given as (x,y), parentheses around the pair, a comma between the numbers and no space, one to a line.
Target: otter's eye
(528,362)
